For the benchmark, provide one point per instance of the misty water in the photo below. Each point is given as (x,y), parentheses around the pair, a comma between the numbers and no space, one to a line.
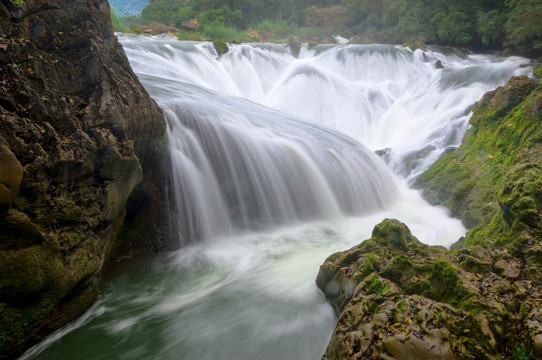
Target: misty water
(273,169)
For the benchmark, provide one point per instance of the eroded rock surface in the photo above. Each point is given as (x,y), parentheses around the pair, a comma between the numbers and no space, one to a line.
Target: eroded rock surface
(79,150)
(397,298)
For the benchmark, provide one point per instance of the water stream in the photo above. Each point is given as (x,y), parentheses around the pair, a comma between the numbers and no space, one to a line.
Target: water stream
(274,170)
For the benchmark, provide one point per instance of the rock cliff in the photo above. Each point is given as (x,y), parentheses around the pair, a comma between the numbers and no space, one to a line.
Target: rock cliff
(80,162)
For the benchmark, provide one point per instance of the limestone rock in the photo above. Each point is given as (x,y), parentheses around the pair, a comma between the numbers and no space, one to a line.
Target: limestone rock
(397,298)
(80,153)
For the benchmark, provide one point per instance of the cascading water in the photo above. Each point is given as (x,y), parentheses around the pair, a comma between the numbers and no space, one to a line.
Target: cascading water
(271,177)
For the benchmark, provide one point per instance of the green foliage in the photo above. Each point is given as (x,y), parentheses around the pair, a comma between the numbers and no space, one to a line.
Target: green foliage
(167,12)
(222,32)
(223,15)
(491,26)
(524,25)
(453,27)
(115,22)
(279,29)
(473,23)
(521,354)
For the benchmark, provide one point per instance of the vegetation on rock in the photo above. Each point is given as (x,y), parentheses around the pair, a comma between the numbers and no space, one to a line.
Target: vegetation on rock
(493,181)
(398,298)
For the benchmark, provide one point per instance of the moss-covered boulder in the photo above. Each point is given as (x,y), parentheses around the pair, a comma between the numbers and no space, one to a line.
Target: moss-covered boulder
(397,298)
(221,47)
(493,180)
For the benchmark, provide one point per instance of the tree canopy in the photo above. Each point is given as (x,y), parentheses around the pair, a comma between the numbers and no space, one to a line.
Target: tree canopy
(481,24)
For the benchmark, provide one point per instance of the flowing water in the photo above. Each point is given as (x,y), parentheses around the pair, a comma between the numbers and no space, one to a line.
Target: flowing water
(274,169)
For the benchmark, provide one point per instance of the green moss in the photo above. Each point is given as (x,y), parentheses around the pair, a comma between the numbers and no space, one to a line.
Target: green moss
(399,267)
(521,354)
(444,282)
(494,180)
(440,180)
(395,233)
(377,286)
(370,264)
(221,47)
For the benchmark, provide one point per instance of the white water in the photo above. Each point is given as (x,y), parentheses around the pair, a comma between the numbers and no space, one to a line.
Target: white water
(274,170)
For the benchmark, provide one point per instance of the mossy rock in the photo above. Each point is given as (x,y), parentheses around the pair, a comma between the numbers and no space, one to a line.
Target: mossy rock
(221,47)
(492,181)
(394,300)
(294,43)
(394,233)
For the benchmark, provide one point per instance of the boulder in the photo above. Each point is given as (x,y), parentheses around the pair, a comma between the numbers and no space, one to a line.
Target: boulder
(397,298)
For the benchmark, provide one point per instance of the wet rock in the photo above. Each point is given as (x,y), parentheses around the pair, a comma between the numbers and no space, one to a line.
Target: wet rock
(397,298)
(11,175)
(509,95)
(493,181)
(413,159)
(79,149)
(508,269)
(221,47)
(384,154)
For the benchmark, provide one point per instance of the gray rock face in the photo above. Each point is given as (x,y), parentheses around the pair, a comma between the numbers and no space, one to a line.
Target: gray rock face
(79,148)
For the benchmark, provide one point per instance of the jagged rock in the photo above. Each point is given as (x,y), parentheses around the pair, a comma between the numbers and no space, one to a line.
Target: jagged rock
(397,298)
(79,150)
(11,175)
(509,95)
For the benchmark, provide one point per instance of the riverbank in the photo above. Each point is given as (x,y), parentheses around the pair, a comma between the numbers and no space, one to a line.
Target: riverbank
(399,298)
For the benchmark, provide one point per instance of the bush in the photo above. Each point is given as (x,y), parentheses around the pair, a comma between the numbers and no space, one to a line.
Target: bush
(115,22)
(221,32)
(277,29)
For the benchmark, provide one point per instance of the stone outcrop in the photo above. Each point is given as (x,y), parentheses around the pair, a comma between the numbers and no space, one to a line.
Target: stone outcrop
(80,162)
(397,298)
(493,181)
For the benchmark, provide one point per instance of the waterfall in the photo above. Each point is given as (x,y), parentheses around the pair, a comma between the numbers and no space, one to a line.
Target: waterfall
(239,165)
(274,170)
(252,133)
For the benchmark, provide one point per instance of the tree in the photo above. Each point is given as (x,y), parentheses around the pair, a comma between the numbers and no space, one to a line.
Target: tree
(524,25)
